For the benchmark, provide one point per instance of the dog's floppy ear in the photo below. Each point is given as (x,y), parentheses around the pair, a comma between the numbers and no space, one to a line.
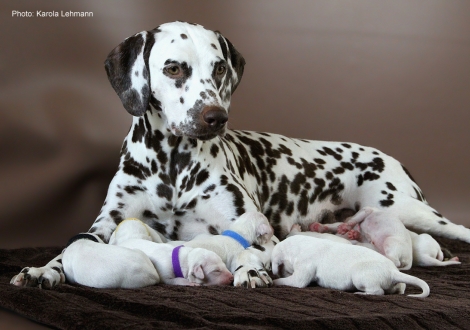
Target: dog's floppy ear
(264,232)
(128,73)
(198,272)
(236,59)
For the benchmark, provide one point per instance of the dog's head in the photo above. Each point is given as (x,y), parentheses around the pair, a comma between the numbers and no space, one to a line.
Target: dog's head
(183,70)
(207,268)
(254,227)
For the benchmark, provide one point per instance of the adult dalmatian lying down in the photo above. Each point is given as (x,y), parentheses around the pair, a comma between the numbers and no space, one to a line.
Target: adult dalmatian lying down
(183,172)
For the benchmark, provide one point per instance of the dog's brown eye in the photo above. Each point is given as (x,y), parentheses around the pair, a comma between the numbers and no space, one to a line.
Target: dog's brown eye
(221,69)
(173,70)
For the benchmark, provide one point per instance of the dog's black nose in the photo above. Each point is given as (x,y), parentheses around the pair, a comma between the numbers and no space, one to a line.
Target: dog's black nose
(214,117)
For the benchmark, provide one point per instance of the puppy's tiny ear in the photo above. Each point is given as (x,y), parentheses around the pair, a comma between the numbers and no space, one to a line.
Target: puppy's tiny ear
(128,73)
(264,232)
(198,272)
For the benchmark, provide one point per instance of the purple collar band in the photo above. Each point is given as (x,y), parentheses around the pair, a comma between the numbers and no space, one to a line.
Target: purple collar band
(176,261)
(236,236)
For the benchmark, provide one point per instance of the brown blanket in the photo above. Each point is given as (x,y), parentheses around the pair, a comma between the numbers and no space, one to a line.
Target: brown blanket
(168,307)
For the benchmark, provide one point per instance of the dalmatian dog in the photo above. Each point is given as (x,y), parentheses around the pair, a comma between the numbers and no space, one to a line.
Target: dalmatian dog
(300,260)
(183,172)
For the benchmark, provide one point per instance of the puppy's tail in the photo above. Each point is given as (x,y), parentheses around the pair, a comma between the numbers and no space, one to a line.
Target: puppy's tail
(430,261)
(411,280)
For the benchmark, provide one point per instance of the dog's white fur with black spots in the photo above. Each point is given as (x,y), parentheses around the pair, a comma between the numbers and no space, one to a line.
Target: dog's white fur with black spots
(183,172)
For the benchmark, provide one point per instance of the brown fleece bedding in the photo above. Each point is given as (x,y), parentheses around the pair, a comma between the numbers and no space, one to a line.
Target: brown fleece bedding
(170,307)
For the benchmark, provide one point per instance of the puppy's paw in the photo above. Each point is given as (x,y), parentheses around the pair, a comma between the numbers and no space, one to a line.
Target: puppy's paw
(353,235)
(343,228)
(318,227)
(252,278)
(296,228)
(43,277)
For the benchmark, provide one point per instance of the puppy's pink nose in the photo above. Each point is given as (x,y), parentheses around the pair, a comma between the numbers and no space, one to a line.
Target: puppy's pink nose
(215,117)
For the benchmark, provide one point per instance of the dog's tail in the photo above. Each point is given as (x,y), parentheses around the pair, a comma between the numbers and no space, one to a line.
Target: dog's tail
(430,261)
(411,280)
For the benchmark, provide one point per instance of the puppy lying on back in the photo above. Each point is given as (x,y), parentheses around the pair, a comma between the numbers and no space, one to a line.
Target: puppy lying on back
(232,245)
(427,252)
(301,260)
(387,235)
(178,266)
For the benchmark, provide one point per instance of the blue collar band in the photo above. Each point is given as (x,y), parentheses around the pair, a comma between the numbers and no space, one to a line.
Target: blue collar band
(236,236)
(176,261)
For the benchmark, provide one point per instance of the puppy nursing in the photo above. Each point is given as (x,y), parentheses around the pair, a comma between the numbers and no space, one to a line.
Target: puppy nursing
(301,260)
(386,234)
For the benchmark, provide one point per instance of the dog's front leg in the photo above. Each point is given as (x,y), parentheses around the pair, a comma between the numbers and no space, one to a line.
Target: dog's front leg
(43,277)
(249,271)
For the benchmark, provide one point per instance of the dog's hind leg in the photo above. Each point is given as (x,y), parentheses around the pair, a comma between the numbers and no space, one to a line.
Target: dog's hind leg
(420,217)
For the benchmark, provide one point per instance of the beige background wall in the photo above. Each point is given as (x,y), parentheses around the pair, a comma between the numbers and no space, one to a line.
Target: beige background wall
(390,74)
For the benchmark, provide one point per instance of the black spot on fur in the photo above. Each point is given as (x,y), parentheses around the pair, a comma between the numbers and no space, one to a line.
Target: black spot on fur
(438,214)
(150,214)
(258,247)
(214,150)
(371,176)
(116,215)
(202,176)
(165,191)
(386,202)
(442,222)
(132,189)
(238,198)
(183,36)
(360,180)
(134,168)
(192,204)
(302,204)
(212,230)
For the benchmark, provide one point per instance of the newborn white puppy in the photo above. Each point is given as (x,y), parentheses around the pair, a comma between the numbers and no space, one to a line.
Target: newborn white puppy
(338,266)
(176,266)
(197,266)
(88,261)
(232,246)
(427,252)
(386,233)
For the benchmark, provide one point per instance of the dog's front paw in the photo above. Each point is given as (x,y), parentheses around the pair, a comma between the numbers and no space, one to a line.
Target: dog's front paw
(43,277)
(252,278)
